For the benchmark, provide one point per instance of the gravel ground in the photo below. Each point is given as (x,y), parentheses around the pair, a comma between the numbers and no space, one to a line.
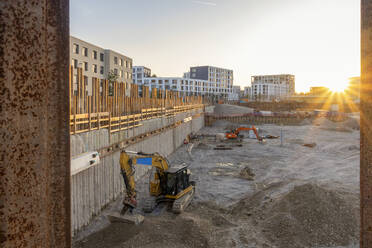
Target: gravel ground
(255,195)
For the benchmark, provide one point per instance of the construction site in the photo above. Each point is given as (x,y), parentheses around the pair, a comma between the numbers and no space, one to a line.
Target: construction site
(125,166)
(291,185)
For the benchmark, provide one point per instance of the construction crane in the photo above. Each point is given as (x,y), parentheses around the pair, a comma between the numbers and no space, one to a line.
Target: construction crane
(234,134)
(167,184)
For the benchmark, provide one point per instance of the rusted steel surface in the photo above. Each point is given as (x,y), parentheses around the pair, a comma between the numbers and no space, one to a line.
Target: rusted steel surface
(366,123)
(34,129)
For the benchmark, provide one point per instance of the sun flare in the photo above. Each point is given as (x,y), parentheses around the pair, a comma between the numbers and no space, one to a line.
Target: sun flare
(338,86)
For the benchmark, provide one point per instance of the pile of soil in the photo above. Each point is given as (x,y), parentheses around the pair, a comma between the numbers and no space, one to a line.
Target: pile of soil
(247,173)
(306,216)
(352,123)
(227,109)
(311,216)
(325,124)
(203,146)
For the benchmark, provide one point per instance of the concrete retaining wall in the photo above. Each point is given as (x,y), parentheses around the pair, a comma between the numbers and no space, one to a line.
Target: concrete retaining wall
(97,186)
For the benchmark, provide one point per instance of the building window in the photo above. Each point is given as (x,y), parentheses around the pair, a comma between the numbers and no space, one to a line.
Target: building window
(75,63)
(115,60)
(101,56)
(101,70)
(94,54)
(121,62)
(85,51)
(86,66)
(116,71)
(76,48)
(94,67)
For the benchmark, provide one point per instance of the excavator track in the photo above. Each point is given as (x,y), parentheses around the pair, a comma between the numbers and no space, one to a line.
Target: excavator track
(150,205)
(181,204)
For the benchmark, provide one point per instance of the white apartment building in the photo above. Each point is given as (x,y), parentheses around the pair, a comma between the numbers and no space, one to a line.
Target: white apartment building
(139,73)
(221,79)
(187,87)
(235,95)
(98,62)
(247,91)
(272,87)
(186,74)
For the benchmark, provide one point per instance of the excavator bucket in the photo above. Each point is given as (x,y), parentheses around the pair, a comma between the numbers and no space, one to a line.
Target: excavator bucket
(128,218)
(126,215)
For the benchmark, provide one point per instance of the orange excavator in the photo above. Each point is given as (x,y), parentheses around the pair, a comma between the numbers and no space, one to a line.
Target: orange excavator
(233,134)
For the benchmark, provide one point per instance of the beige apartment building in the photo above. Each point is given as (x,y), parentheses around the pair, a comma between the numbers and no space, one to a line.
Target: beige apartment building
(98,62)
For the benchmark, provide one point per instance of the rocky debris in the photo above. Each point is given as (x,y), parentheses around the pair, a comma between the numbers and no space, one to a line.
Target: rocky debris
(311,145)
(247,173)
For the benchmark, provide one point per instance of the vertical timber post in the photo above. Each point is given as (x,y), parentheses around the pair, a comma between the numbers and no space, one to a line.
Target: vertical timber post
(34,124)
(366,122)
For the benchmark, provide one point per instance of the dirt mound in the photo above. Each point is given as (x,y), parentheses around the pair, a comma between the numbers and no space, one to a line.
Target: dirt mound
(311,216)
(344,126)
(352,123)
(227,109)
(203,146)
(247,173)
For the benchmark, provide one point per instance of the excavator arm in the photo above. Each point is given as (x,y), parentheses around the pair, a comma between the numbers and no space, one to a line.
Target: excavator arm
(128,160)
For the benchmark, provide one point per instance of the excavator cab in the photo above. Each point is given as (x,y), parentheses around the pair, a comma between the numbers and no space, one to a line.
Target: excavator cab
(177,180)
(176,188)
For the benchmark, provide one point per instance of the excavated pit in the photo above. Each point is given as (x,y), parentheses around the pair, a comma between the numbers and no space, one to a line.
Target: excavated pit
(255,195)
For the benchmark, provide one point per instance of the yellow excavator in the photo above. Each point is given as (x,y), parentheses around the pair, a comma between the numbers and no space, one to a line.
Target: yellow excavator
(167,184)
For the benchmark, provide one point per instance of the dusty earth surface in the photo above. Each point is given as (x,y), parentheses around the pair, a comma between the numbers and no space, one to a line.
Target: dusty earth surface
(255,195)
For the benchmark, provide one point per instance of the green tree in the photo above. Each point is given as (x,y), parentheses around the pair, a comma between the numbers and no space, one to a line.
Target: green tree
(111,77)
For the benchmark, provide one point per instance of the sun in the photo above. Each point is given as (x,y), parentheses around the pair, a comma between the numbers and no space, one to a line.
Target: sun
(338,86)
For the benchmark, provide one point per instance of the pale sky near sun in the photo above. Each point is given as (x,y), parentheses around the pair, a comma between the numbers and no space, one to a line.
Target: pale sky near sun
(316,40)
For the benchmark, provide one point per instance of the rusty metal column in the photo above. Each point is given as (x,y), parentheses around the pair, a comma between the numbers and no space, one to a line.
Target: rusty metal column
(34,124)
(366,123)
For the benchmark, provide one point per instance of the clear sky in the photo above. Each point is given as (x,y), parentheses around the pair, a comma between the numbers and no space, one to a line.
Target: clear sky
(316,40)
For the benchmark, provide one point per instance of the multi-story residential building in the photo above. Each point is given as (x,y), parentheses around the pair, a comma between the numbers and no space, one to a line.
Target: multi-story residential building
(187,87)
(98,62)
(221,79)
(272,87)
(235,95)
(186,74)
(247,91)
(139,73)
